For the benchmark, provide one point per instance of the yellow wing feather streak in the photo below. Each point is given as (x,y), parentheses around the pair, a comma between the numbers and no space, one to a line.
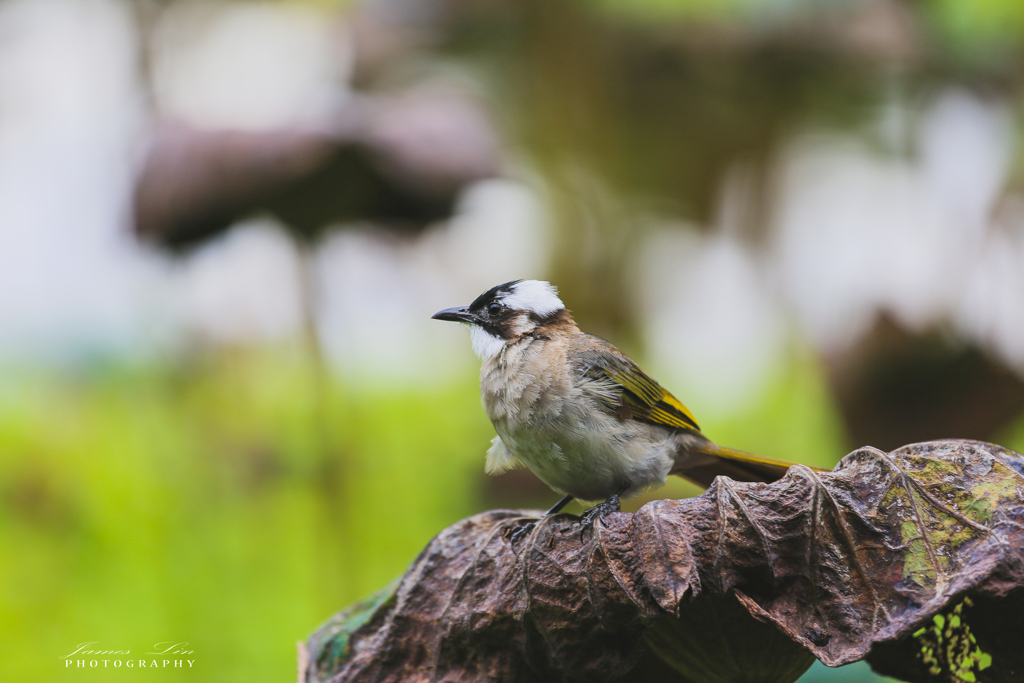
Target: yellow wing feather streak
(646,400)
(675,403)
(649,401)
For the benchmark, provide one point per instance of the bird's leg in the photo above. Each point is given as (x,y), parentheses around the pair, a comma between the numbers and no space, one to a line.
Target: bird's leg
(514,535)
(599,511)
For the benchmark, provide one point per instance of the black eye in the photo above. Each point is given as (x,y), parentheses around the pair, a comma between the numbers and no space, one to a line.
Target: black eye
(495,309)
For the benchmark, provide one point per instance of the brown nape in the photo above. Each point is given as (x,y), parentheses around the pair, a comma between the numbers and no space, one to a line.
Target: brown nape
(558,322)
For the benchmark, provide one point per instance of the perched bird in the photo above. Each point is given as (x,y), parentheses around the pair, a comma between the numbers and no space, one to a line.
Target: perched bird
(579,413)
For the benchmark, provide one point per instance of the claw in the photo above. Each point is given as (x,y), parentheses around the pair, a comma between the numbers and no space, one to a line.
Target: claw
(513,534)
(598,512)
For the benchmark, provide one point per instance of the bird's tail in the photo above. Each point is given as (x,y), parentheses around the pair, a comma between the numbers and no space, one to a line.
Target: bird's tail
(737,465)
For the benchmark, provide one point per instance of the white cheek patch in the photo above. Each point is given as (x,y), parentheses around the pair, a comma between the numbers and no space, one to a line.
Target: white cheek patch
(534,295)
(485,344)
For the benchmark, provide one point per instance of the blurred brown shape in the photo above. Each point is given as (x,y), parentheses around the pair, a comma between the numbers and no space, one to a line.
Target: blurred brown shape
(398,161)
(896,386)
(847,564)
(631,119)
(515,487)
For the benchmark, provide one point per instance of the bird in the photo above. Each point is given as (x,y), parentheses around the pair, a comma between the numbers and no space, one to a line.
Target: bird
(578,412)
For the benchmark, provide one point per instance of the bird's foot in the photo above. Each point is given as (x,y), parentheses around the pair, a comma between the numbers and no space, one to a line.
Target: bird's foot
(513,534)
(598,513)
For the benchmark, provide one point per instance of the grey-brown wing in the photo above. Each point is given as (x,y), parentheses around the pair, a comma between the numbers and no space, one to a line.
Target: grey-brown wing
(641,397)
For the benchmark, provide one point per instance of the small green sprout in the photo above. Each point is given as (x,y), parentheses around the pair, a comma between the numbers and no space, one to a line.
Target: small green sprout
(948,646)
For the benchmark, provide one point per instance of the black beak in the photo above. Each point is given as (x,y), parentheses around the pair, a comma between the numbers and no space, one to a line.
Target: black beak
(459,314)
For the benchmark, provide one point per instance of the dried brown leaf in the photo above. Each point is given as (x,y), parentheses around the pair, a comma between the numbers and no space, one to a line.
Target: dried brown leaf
(847,564)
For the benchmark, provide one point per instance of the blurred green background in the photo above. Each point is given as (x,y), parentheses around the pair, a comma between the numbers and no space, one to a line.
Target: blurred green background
(224,411)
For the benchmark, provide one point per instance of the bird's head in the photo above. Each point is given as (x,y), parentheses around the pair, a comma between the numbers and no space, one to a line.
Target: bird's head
(507,313)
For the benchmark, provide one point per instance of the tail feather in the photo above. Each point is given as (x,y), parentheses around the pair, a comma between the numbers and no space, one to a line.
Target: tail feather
(737,465)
